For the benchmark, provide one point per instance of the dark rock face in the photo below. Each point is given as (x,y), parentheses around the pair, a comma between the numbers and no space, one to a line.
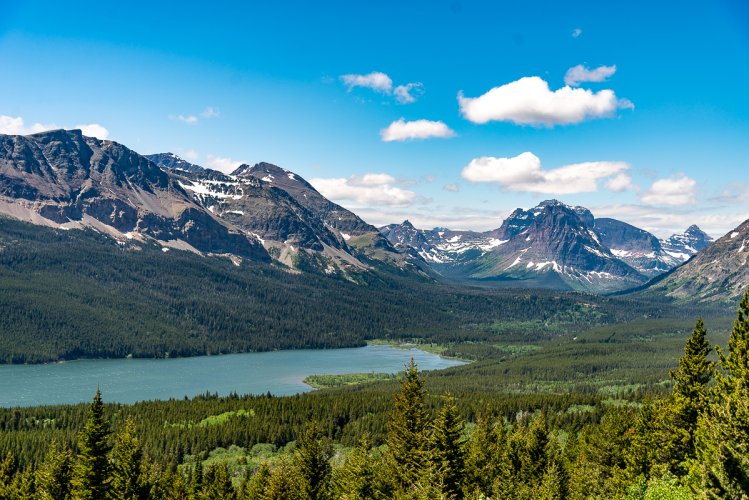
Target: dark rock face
(260,208)
(302,191)
(67,177)
(635,246)
(555,238)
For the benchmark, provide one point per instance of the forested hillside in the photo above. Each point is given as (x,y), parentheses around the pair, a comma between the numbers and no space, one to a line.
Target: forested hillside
(689,441)
(78,293)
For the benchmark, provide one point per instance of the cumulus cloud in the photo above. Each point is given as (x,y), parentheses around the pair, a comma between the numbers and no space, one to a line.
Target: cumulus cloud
(402,130)
(94,130)
(382,83)
(225,165)
(406,94)
(529,101)
(579,74)
(675,190)
(189,119)
(377,81)
(576,32)
(524,173)
(369,189)
(16,126)
(188,154)
(619,183)
(453,187)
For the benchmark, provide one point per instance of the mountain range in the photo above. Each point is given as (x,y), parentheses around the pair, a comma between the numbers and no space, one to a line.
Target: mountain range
(261,213)
(264,213)
(552,245)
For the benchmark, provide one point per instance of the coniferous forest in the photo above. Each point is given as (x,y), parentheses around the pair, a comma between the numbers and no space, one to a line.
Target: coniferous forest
(401,440)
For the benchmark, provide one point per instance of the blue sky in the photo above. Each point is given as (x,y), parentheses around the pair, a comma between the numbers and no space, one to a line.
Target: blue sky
(652,127)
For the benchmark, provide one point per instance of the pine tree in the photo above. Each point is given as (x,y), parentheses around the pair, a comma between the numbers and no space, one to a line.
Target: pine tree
(217,482)
(722,463)
(129,475)
(54,475)
(448,448)
(91,471)
(407,439)
(253,487)
(197,478)
(676,424)
(7,472)
(284,482)
(312,459)
(356,479)
(483,457)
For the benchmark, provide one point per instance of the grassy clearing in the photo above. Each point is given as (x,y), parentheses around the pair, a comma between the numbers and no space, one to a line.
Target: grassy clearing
(329,381)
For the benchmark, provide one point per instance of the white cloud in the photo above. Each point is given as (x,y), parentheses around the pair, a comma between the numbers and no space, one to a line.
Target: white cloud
(94,130)
(675,190)
(189,119)
(225,165)
(210,112)
(453,187)
(523,173)
(576,32)
(402,130)
(190,154)
(456,218)
(376,80)
(369,189)
(16,126)
(382,83)
(621,182)
(404,94)
(529,101)
(579,74)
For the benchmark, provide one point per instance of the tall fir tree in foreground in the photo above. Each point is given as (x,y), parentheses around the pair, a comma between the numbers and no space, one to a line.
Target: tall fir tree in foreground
(53,477)
(448,448)
(407,440)
(676,430)
(722,464)
(312,459)
(129,474)
(91,472)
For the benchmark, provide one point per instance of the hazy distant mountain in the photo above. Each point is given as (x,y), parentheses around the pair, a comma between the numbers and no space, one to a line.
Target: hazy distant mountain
(719,272)
(683,246)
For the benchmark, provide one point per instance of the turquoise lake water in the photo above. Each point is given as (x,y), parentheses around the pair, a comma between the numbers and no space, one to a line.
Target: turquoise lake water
(131,380)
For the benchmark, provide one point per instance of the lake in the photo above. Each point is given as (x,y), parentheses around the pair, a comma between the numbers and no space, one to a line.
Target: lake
(131,380)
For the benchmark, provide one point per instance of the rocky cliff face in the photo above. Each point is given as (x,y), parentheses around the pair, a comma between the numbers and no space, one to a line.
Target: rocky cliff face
(66,179)
(556,243)
(637,247)
(296,224)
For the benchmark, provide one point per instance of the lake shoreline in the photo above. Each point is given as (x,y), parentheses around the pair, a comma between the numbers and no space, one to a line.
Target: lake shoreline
(128,380)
